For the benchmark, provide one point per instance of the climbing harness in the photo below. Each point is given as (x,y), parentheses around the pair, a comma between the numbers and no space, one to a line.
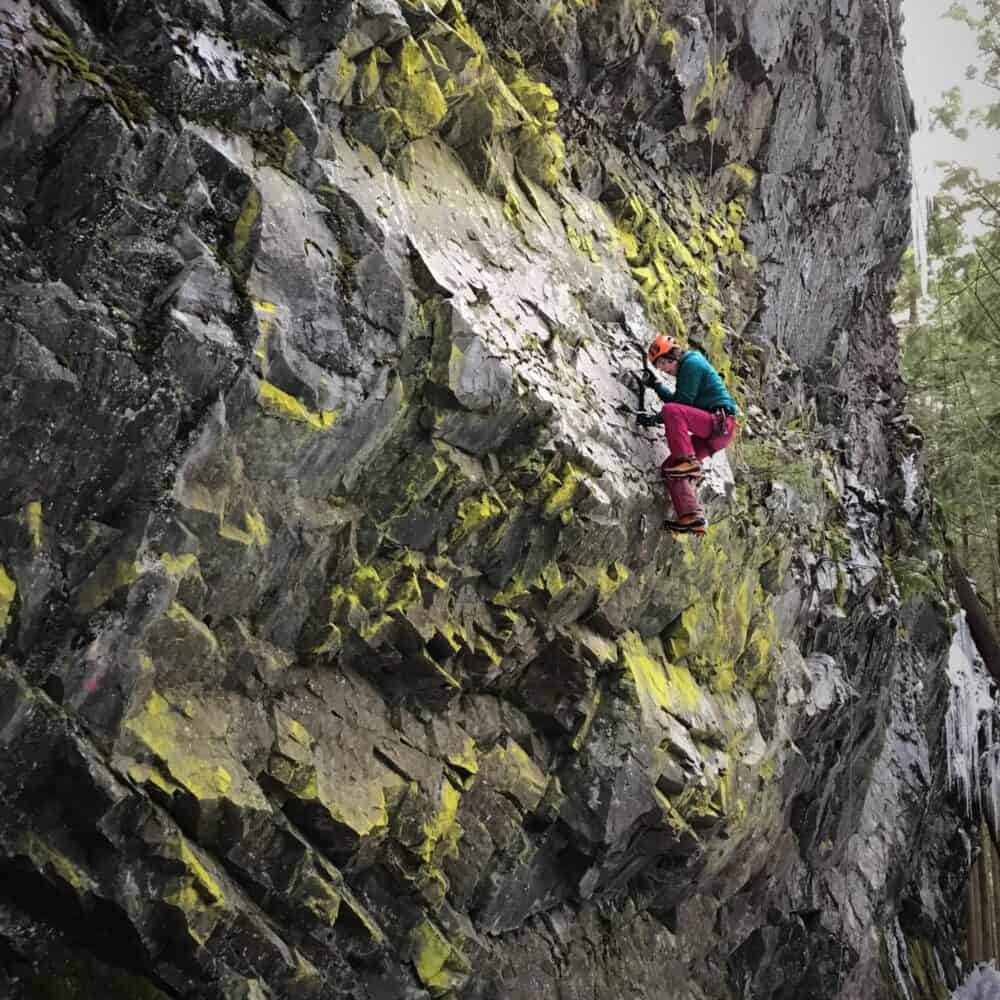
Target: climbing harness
(719,422)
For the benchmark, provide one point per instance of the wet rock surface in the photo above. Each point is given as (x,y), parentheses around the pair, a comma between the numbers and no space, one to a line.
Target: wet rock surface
(343,653)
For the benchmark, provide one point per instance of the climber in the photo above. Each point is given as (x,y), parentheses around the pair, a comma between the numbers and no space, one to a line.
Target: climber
(699,418)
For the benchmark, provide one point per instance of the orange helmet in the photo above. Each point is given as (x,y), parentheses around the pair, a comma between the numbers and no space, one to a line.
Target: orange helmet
(660,346)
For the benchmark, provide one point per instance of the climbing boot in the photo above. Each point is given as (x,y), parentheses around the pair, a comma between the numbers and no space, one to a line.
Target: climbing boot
(685,467)
(687,524)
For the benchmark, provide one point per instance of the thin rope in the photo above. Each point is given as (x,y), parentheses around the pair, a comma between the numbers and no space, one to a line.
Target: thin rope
(715,87)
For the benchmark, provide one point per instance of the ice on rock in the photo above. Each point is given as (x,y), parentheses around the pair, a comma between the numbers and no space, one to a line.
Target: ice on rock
(911,481)
(983,983)
(973,756)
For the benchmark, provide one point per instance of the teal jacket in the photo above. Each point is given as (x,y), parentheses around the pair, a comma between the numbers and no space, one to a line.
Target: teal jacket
(698,384)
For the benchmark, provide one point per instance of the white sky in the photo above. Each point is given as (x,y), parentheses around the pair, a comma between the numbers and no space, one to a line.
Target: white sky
(936,52)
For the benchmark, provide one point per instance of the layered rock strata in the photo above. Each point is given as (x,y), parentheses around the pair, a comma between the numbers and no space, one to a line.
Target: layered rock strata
(343,652)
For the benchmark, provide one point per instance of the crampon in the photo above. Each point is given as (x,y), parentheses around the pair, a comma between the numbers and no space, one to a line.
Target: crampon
(687,524)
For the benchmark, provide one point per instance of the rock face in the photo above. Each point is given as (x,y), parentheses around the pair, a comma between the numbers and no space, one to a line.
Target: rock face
(343,652)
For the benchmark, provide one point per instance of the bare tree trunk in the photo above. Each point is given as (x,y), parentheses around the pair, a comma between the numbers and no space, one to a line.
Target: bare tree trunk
(965,538)
(993,573)
(991,903)
(980,625)
(989,908)
(996,567)
(986,910)
(994,900)
(974,951)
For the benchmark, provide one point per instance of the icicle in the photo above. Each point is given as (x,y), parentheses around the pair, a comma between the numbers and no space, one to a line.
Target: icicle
(918,215)
(911,480)
(919,208)
(970,715)
(922,173)
(918,170)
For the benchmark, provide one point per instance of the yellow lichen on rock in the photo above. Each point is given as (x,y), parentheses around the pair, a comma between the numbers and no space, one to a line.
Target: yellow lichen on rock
(473,513)
(8,591)
(491,110)
(394,601)
(322,900)
(31,518)
(580,737)
(366,599)
(249,218)
(648,248)
(199,895)
(747,176)
(104,84)
(533,95)
(369,75)
(353,796)
(551,578)
(442,830)
(278,403)
(714,636)
(673,818)
(660,685)
(681,275)
(607,580)
(756,662)
(539,150)
(411,88)
(189,753)
(562,496)
(510,770)
(701,806)
(188,627)
(466,759)
(581,241)
(440,966)
(53,863)
(255,532)
(716,80)
(111,576)
(669,40)
(178,566)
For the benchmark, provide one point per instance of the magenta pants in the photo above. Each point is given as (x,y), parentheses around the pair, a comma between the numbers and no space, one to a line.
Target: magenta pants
(689,432)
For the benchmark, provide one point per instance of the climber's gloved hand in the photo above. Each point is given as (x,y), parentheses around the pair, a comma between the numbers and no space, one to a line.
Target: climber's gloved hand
(649,419)
(649,378)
